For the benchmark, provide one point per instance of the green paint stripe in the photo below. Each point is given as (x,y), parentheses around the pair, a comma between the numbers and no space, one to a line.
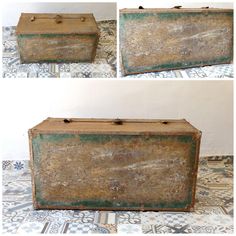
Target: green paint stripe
(177,65)
(113,204)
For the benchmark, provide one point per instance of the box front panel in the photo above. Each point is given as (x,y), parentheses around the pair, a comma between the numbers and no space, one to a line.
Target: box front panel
(168,40)
(114,171)
(57,48)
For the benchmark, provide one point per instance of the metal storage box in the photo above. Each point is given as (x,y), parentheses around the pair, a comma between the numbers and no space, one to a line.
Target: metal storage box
(163,39)
(114,164)
(57,38)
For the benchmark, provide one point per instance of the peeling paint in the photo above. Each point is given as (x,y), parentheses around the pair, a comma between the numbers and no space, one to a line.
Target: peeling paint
(114,170)
(160,41)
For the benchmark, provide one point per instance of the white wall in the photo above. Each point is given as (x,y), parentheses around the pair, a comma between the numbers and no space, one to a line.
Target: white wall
(11,12)
(208,105)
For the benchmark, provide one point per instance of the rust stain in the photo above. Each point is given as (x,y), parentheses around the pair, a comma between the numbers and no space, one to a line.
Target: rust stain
(123,171)
(58,48)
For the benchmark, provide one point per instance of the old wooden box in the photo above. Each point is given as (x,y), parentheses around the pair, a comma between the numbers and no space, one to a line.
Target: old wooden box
(163,39)
(114,165)
(57,38)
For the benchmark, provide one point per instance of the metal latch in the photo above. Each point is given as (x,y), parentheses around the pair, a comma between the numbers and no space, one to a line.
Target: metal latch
(177,7)
(67,121)
(117,122)
(58,19)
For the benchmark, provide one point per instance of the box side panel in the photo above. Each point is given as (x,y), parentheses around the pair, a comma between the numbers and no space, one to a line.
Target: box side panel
(89,171)
(57,48)
(197,141)
(162,41)
(47,24)
(30,135)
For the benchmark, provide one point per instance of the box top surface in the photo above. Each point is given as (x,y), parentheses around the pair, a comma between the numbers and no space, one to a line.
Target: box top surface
(35,23)
(108,126)
(173,10)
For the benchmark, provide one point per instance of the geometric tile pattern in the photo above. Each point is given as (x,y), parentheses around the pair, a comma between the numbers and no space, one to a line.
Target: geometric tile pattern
(104,65)
(213,211)
(214,71)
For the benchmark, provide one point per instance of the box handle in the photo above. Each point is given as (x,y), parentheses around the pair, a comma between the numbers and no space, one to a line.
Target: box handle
(165,122)
(67,121)
(177,7)
(58,19)
(117,122)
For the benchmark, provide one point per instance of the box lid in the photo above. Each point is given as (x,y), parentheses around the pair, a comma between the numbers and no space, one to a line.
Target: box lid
(175,9)
(53,23)
(116,126)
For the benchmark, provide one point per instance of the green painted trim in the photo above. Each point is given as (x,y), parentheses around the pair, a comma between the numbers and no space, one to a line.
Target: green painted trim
(103,138)
(104,203)
(177,65)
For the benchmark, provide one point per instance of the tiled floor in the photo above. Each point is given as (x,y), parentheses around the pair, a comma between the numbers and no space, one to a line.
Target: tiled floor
(104,65)
(213,212)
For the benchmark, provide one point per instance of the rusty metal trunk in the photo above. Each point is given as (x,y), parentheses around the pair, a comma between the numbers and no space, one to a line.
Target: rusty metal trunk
(57,38)
(114,165)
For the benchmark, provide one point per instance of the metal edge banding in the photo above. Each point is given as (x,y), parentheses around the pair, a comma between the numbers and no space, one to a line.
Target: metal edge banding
(95,44)
(176,66)
(41,204)
(127,70)
(173,10)
(30,135)
(195,171)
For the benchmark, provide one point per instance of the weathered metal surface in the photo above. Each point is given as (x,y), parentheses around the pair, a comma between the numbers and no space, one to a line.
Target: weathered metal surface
(76,166)
(57,38)
(162,39)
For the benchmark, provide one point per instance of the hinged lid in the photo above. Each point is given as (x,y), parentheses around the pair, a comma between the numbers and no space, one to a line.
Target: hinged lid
(56,24)
(116,126)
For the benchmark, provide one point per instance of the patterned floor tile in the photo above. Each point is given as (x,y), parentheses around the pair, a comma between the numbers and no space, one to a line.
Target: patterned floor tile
(193,229)
(10,227)
(154,229)
(175,219)
(152,218)
(129,217)
(104,229)
(30,227)
(50,216)
(105,217)
(104,65)
(79,228)
(83,216)
(129,228)
(53,227)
